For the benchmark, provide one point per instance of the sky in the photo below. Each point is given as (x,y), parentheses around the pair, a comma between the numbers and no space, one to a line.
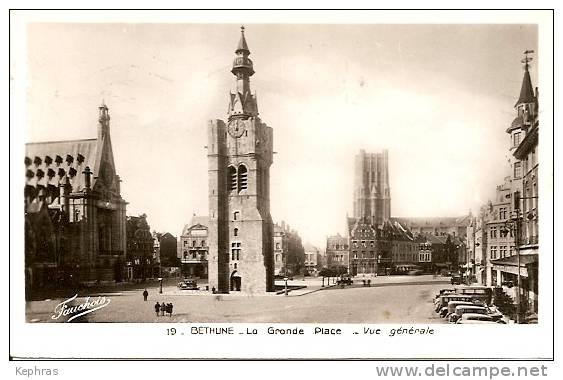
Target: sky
(438,97)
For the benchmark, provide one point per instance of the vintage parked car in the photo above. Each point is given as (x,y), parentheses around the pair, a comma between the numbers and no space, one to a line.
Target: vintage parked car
(481,291)
(416,272)
(456,279)
(450,309)
(188,284)
(345,280)
(464,309)
(446,298)
(473,318)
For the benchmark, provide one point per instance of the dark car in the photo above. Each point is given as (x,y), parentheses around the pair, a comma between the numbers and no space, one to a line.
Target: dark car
(416,272)
(456,279)
(188,284)
(345,280)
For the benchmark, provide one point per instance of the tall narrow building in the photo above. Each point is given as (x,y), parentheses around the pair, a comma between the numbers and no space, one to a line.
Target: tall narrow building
(372,195)
(239,159)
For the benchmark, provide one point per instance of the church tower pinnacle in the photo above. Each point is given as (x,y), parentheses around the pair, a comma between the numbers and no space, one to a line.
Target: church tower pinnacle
(242,103)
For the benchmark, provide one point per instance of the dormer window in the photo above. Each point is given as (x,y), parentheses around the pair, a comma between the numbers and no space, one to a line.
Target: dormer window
(28,161)
(58,160)
(61,172)
(50,173)
(37,161)
(48,160)
(29,174)
(79,159)
(40,173)
(72,172)
(69,159)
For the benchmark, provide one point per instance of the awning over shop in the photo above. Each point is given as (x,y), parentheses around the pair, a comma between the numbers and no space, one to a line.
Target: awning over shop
(510,264)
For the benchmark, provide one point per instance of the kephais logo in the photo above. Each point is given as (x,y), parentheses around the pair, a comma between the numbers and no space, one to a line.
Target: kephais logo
(73,310)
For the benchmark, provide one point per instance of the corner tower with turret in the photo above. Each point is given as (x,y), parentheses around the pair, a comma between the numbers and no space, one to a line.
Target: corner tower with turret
(239,155)
(526,113)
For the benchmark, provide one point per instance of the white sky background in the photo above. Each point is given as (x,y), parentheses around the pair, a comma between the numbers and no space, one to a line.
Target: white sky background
(439,98)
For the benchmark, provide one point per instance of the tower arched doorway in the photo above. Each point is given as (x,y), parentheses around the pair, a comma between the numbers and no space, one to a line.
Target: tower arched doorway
(235,281)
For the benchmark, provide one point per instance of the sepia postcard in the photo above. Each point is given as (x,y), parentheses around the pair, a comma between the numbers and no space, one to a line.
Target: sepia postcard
(356,185)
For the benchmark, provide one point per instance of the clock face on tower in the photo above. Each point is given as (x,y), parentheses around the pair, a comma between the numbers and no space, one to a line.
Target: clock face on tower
(236,128)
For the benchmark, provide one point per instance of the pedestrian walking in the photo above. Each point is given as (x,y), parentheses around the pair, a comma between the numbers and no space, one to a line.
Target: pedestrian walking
(157,308)
(170,307)
(162,309)
(145,294)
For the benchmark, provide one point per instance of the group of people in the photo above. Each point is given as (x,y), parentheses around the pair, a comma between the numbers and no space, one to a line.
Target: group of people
(160,309)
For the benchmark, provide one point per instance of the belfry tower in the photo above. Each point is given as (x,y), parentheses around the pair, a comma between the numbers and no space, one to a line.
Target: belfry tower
(239,158)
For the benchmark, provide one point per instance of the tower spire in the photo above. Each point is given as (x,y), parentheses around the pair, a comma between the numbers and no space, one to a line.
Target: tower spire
(526,91)
(242,45)
(242,102)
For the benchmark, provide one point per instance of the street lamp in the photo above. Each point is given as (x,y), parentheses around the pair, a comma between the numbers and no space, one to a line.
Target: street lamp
(160,281)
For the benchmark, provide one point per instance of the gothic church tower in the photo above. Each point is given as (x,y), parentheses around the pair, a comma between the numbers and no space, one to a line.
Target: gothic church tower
(239,160)
(372,194)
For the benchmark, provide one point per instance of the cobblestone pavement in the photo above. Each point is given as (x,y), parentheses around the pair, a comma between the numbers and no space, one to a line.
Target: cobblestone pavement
(390,300)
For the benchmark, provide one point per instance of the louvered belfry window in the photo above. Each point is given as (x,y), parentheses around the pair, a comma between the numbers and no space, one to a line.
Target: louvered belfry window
(242,178)
(232,180)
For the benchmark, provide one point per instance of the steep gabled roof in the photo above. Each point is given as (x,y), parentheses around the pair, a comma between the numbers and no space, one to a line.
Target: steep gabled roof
(61,157)
(527,90)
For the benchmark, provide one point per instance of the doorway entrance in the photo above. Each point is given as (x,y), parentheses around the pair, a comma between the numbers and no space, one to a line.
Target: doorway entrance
(235,281)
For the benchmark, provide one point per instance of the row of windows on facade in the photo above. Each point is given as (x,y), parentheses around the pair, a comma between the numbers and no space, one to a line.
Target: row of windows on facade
(238,178)
(136,262)
(194,243)
(58,160)
(503,251)
(340,246)
(364,243)
(194,255)
(495,232)
(338,258)
(425,257)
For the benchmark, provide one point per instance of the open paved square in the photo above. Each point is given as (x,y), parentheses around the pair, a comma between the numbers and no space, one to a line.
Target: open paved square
(397,299)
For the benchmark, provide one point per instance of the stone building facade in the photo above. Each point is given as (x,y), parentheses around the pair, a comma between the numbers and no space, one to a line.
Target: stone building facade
(313,259)
(169,260)
(363,255)
(140,263)
(337,252)
(289,254)
(193,248)
(372,194)
(74,214)
(523,218)
(239,159)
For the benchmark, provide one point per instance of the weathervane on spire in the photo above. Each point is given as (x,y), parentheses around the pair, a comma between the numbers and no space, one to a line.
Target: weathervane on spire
(526,58)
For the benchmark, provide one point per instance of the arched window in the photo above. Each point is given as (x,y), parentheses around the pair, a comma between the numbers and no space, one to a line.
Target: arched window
(232,180)
(236,215)
(235,232)
(242,178)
